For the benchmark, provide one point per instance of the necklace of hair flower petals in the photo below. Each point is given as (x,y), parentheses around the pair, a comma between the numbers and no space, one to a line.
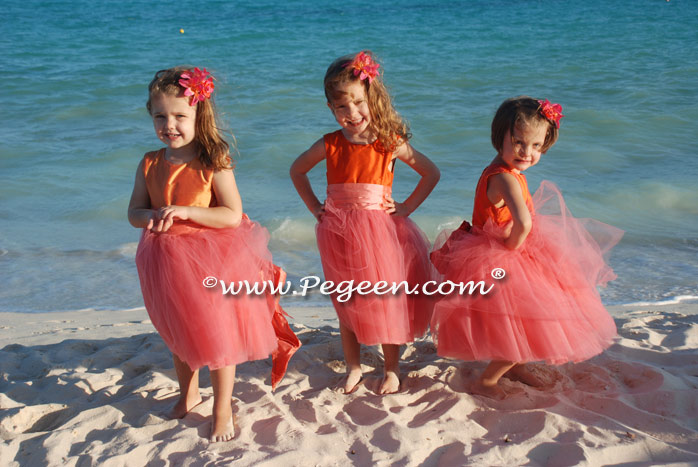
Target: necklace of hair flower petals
(198,84)
(364,67)
(553,112)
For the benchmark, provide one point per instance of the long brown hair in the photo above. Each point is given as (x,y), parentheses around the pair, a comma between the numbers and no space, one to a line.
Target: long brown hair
(388,126)
(214,150)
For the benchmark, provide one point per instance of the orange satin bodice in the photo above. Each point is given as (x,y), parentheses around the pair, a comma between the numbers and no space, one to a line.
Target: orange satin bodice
(356,163)
(483,209)
(189,184)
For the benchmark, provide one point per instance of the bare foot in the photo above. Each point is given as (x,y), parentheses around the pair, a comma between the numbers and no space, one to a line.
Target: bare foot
(390,384)
(183,407)
(492,391)
(352,381)
(537,376)
(222,427)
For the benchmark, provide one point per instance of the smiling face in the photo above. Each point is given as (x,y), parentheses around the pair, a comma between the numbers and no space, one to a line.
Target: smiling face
(174,122)
(524,148)
(349,106)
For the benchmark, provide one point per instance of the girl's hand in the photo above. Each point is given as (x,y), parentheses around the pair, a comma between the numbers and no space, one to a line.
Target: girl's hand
(393,207)
(299,169)
(424,167)
(163,218)
(319,212)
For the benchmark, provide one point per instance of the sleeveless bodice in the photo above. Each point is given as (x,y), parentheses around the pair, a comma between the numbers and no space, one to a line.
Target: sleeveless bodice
(187,184)
(483,209)
(356,163)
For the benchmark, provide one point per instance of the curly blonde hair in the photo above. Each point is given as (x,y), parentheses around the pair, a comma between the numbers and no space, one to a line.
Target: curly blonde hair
(388,126)
(214,150)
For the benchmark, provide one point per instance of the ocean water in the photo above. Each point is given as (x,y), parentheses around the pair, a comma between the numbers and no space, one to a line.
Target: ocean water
(74,124)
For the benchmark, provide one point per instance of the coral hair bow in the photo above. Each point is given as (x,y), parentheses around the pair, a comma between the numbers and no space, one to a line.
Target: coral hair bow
(198,84)
(553,112)
(364,67)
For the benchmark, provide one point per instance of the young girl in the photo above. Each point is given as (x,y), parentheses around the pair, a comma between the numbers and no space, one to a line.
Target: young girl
(544,264)
(195,234)
(363,233)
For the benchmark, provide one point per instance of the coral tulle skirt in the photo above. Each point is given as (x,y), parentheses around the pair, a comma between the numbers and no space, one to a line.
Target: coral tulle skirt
(359,241)
(546,308)
(199,324)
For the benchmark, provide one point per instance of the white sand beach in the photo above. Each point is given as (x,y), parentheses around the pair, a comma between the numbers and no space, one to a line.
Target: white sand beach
(90,388)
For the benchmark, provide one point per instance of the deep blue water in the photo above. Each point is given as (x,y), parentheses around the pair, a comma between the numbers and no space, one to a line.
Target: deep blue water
(74,124)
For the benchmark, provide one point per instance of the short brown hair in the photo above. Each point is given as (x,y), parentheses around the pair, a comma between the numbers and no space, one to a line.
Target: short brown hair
(522,110)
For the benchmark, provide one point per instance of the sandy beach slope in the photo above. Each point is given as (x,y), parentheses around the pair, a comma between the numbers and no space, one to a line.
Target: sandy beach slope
(90,388)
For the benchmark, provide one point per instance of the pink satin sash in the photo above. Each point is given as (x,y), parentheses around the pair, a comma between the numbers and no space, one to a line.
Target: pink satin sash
(360,196)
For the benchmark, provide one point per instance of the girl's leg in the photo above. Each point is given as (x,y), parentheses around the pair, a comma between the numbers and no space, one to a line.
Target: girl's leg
(487,384)
(352,357)
(189,396)
(223,381)
(391,369)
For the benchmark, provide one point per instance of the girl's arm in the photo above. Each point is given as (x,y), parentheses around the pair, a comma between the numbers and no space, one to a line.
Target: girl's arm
(430,177)
(504,189)
(228,212)
(300,167)
(139,213)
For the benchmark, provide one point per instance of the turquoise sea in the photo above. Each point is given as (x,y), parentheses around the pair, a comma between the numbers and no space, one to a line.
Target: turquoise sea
(74,124)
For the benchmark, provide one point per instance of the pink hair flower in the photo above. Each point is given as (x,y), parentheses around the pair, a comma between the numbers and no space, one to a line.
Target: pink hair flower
(553,112)
(364,67)
(198,84)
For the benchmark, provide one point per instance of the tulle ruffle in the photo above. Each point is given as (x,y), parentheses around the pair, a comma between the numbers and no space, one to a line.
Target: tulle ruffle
(359,241)
(546,307)
(201,325)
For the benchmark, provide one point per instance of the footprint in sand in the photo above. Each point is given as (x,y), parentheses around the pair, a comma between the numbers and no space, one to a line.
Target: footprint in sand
(35,418)
(265,430)
(301,408)
(591,378)
(363,414)
(517,427)
(451,454)
(615,376)
(384,439)
(536,375)
(433,411)
(635,377)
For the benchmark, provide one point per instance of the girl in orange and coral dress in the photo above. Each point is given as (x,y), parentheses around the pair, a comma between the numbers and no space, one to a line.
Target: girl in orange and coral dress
(194,234)
(363,234)
(546,306)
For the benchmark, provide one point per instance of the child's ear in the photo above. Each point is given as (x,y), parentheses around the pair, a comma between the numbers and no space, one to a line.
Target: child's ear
(329,105)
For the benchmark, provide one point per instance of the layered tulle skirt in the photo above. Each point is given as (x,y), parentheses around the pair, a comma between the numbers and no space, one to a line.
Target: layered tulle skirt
(183,274)
(546,307)
(359,241)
